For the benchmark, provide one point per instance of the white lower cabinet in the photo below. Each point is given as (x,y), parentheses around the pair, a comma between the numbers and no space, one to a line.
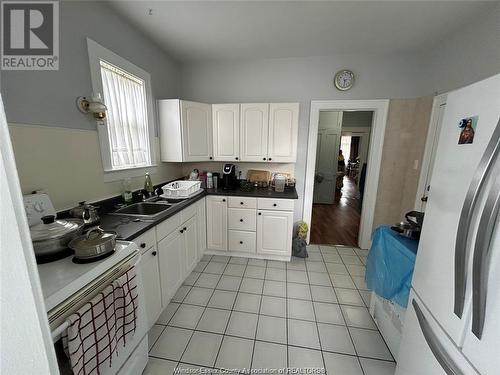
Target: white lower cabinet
(202,227)
(190,243)
(172,268)
(217,222)
(259,226)
(274,232)
(151,280)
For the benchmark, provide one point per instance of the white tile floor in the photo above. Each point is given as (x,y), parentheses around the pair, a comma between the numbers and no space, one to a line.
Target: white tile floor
(238,313)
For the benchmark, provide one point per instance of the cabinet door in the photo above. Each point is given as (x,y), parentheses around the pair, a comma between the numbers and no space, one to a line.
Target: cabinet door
(254,131)
(283,127)
(274,232)
(226,131)
(196,131)
(217,223)
(171,260)
(202,227)
(190,236)
(151,280)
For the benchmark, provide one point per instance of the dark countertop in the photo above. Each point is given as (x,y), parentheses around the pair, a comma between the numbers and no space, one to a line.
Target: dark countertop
(128,229)
(256,193)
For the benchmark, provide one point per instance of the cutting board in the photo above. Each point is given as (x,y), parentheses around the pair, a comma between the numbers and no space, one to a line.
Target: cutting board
(256,175)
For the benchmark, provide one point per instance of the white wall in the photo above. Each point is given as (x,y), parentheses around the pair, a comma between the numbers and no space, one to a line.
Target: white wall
(299,80)
(464,57)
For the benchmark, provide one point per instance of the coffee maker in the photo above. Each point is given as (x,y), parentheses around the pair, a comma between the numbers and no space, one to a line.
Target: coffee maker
(229,177)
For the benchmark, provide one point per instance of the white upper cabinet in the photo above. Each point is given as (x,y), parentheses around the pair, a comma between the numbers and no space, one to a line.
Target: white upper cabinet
(226,131)
(254,120)
(283,127)
(185,130)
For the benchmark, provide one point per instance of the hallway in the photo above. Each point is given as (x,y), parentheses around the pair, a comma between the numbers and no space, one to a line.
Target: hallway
(338,223)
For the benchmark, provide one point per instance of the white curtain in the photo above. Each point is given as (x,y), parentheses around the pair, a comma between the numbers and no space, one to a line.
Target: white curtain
(127,120)
(345,146)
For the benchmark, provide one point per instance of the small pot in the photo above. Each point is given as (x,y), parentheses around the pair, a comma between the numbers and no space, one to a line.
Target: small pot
(53,236)
(93,244)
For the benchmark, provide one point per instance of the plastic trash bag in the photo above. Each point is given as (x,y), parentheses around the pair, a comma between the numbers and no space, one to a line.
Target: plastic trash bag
(299,244)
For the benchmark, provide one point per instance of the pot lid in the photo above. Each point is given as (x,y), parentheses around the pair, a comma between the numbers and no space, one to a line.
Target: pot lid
(93,238)
(51,228)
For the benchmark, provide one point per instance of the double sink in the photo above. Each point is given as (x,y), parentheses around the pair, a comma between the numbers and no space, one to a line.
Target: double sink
(150,208)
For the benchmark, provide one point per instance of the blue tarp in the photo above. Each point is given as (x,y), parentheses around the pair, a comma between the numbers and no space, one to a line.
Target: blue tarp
(390,263)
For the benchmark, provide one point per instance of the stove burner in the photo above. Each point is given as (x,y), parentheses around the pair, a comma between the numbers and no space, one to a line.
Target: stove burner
(42,259)
(92,260)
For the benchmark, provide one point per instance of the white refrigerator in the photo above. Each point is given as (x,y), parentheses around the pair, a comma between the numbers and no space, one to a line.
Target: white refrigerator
(452,323)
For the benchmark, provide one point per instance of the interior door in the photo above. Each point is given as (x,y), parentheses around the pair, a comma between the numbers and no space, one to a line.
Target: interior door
(283,128)
(254,129)
(326,165)
(431,149)
(196,131)
(226,131)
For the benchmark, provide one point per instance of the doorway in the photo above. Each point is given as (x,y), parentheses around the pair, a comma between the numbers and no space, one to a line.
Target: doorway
(379,109)
(340,170)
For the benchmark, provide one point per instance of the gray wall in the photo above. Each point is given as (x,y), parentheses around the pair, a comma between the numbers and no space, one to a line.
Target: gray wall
(48,97)
(300,80)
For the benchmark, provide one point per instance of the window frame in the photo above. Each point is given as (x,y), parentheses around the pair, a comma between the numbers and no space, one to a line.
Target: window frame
(96,54)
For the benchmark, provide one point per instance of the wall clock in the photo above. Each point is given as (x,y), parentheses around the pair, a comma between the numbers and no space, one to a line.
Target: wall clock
(344,79)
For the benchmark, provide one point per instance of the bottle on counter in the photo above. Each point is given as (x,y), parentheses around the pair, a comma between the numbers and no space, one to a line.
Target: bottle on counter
(127,191)
(210,181)
(148,184)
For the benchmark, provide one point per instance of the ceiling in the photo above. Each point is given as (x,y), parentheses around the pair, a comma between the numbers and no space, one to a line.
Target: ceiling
(227,30)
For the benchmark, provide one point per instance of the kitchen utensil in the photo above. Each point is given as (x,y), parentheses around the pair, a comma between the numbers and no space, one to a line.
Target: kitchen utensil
(53,236)
(95,243)
(87,212)
(246,185)
(210,180)
(181,189)
(216,177)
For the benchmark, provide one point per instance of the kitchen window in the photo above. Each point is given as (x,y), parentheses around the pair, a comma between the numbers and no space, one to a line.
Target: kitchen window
(127,134)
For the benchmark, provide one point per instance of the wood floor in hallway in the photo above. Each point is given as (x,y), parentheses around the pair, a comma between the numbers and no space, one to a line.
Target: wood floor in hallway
(338,223)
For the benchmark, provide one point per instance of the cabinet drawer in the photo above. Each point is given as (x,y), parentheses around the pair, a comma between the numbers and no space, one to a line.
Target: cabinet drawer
(275,204)
(242,202)
(188,212)
(242,219)
(168,226)
(146,240)
(242,241)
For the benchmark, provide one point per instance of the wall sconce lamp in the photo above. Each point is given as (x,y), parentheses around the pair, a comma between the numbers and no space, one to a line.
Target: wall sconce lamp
(92,105)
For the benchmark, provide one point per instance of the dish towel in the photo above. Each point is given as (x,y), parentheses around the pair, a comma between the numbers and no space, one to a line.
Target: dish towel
(102,326)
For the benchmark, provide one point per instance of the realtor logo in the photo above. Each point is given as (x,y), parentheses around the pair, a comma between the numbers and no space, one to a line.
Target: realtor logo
(30,35)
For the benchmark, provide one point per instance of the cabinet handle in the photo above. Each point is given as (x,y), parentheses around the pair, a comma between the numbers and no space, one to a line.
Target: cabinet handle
(241,203)
(274,204)
(153,253)
(260,213)
(223,200)
(270,159)
(143,245)
(237,158)
(241,242)
(182,231)
(241,220)
(210,157)
(263,158)
(185,229)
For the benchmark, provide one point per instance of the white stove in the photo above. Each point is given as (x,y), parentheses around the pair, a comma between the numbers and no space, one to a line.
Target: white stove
(63,278)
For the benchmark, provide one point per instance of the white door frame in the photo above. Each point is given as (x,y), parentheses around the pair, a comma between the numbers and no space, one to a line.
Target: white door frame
(430,148)
(379,108)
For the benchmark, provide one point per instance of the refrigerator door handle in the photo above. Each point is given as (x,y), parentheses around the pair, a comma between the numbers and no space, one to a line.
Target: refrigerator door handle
(435,346)
(482,257)
(490,154)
